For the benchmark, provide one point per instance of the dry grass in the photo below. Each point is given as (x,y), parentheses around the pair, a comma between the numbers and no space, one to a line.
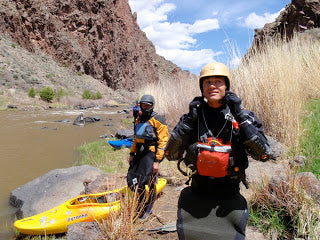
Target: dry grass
(121,224)
(125,224)
(172,98)
(276,82)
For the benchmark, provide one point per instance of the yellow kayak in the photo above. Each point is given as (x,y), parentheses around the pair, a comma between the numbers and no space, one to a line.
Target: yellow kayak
(83,208)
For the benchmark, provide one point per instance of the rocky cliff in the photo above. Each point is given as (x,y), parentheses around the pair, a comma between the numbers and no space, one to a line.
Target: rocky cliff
(298,16)
(100,38)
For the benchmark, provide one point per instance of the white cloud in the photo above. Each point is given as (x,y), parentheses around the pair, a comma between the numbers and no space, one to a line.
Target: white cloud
(206,25)
(170,35)
(178,35)
(173,40)
(189,59)
(151,11)
(256,21)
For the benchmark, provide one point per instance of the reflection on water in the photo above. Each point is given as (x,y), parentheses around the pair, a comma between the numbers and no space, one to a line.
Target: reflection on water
(34,143)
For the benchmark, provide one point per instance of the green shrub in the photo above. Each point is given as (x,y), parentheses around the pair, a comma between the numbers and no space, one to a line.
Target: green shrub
(46,94)
(32,92)
(98,95)
(60,94)
(50,76)
(87,94)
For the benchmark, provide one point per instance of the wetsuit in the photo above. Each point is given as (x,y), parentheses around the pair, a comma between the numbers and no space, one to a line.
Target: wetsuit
(213,208)
(151,136)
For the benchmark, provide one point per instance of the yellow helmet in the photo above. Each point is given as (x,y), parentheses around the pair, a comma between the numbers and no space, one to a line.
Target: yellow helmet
(214,69)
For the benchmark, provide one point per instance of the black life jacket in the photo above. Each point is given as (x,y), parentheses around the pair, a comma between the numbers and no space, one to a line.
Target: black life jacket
(217,123)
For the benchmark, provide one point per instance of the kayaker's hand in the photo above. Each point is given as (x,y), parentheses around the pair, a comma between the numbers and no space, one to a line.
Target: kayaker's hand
(155,167)
(130,159)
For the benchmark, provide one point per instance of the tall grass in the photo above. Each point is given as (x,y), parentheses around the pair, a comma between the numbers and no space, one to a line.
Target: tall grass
(123,224)
(275,83)
(172,97)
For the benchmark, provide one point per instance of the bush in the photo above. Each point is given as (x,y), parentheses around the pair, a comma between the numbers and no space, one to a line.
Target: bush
(87,94)
(98,95)
(32,92)
(60,94)
(46,94)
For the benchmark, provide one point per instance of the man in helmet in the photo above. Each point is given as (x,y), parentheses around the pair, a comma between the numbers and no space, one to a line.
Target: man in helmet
(214,139)
(147,151)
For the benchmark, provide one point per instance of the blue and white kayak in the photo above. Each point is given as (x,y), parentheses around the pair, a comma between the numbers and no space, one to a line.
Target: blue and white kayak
(118,144)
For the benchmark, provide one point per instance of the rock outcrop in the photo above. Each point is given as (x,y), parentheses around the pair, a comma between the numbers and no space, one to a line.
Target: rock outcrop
(298,16)
(99,38)
(51,189)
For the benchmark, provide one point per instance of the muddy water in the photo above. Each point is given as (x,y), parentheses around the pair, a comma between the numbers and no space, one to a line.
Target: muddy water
(34,143)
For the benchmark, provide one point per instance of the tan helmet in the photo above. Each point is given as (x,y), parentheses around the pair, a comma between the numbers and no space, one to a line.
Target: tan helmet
(215,69)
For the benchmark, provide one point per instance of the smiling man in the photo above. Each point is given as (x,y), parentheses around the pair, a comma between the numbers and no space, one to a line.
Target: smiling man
(213,140)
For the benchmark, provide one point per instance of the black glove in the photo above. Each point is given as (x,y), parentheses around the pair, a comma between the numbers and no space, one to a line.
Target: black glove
(234,103)
(193,114)
(174,148)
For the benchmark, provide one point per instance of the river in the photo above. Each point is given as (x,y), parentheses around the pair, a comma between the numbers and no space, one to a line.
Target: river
(33,143)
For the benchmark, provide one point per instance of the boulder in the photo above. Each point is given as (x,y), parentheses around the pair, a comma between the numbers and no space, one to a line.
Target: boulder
(125,133)
(298,161)
(310,184)
(276,149)
(80,120)
(11,106)
(259,171)
(305,181)
(102,183)
(51,189)
(92,119)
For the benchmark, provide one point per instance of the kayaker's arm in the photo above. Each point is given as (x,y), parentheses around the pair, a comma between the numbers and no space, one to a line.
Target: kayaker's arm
(162,134)
(133,148)
(180,138)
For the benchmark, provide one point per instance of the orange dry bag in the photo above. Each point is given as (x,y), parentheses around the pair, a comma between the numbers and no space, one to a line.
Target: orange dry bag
(213,157)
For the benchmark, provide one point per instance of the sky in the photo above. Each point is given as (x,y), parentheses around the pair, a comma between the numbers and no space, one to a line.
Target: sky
(192,33)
